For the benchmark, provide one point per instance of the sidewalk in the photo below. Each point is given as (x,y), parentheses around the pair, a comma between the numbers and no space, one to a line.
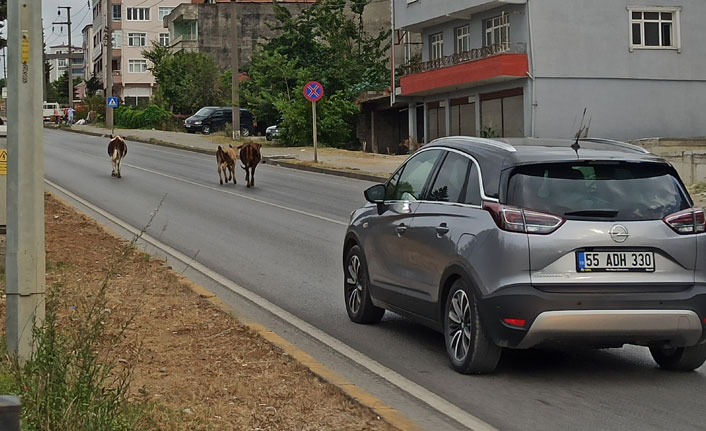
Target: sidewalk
(352,164)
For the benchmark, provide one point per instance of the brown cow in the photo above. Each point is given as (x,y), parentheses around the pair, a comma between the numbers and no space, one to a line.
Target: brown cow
(117,150)
(250,156)
(226,158)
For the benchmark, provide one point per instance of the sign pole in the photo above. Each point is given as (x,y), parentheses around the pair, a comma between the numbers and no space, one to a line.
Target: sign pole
(313,110)
(110,104)
(313,92)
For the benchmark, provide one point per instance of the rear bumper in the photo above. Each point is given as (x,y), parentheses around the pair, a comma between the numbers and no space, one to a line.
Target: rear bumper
(600,320)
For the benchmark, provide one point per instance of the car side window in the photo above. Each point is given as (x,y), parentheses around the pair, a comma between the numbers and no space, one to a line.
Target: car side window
(452,180)
(415,175)
(472,195)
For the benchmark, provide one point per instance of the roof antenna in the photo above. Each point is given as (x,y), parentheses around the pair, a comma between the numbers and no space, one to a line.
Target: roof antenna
(576,147)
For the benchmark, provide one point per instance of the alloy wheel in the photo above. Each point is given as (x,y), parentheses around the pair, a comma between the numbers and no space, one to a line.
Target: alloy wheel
(459,327)
(354,286)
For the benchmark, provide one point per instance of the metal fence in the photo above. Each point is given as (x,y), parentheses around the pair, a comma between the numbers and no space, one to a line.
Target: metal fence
(465,57)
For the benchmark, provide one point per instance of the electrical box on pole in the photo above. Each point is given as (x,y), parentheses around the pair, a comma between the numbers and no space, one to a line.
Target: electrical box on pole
(25,261)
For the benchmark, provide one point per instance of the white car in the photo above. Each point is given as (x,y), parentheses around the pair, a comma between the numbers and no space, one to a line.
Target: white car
(272,132)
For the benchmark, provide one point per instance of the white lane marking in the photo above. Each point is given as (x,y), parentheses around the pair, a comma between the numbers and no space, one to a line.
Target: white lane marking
(294,210)
(431,399)
(311,176)
(240,195)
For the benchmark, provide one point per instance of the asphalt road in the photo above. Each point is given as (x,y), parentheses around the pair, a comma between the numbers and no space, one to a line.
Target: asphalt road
(283,240)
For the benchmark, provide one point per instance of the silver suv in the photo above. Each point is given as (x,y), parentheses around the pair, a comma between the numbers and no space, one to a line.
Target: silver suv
(517,243)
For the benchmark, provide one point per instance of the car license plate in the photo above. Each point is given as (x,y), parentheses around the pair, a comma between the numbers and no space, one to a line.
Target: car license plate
(615,261)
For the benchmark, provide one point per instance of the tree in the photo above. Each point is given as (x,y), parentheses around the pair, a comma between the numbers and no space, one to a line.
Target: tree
(3,17)
(58,90)
(93,85)
(324,43)
(187,80)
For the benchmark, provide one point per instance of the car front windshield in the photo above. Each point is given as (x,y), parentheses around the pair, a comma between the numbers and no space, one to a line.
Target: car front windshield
(204,112)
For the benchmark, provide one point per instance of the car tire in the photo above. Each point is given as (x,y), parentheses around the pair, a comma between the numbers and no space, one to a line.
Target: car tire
(268,137)
(679,358)
(356,289)
(206,130)
(468,346)
(244,132)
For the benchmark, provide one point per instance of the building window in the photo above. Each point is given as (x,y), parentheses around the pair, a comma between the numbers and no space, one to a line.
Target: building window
(437,45)
(164,39)
(62,62)
(463,39)
(117,12)
(654,28)
(118,38)
(137,66)
(497,31)
(164,11)
(137,39)
(407,48)
(138,14)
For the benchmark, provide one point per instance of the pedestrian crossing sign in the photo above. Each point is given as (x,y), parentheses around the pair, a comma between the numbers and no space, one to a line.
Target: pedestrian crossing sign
(112,102)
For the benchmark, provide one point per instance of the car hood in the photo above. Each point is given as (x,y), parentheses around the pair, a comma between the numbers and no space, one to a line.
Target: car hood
(195,118)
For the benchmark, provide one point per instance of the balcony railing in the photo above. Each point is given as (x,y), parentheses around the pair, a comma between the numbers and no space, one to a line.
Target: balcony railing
(465,57)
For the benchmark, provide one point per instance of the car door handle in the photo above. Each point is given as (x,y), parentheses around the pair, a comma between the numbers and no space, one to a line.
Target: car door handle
(442,229)
(401,229)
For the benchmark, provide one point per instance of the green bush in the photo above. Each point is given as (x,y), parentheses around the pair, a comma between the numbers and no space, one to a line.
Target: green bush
(152,116)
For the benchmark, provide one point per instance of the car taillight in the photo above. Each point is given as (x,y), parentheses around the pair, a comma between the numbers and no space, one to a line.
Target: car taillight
(692,220)
(514,219)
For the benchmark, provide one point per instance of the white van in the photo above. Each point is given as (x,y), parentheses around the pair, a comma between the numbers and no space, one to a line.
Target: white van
(49,110)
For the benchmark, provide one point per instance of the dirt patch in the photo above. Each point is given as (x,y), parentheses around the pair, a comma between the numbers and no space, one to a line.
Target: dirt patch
(200,368)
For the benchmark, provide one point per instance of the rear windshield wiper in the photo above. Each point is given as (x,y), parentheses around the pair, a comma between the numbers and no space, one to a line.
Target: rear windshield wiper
(593,213)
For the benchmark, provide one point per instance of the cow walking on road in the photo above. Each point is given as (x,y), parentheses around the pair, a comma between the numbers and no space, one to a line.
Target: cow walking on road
(250,156)
(226,159)
(117,150)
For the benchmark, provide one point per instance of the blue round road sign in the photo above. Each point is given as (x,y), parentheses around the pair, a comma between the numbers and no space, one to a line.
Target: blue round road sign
(313,91)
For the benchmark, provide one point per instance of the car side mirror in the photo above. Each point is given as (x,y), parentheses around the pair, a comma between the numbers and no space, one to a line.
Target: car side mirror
(375,194)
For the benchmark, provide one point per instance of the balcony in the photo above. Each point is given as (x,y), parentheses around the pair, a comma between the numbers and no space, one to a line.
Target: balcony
(479,66)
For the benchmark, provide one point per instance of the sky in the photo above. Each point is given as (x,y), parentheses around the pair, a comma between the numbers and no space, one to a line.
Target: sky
(80,16)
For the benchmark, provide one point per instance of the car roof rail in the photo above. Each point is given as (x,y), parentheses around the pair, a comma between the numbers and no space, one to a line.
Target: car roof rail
(483,141)
(620,144)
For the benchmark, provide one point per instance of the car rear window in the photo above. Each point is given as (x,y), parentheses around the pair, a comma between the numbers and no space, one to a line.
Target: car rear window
(619,191)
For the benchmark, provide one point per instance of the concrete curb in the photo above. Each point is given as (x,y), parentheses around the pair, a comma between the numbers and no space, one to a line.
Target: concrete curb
(269,160)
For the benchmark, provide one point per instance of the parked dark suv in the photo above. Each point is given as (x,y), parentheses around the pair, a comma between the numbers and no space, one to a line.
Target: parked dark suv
(212,118)
(516,243)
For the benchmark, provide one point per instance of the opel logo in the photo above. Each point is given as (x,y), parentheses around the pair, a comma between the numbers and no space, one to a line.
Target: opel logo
(619,233)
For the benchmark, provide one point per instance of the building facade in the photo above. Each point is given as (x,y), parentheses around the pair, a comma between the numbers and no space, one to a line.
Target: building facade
(59,60)
(205,26)
(530,67)
(87,46)
(135,25)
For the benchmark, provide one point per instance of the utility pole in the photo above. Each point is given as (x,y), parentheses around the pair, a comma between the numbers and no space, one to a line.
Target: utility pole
(109,62)
(235,60)
(69,67)
(25,261)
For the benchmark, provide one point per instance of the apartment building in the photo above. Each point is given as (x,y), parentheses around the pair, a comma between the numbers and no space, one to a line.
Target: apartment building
(58,58)
(530,67)
(87,47)
(136,24)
